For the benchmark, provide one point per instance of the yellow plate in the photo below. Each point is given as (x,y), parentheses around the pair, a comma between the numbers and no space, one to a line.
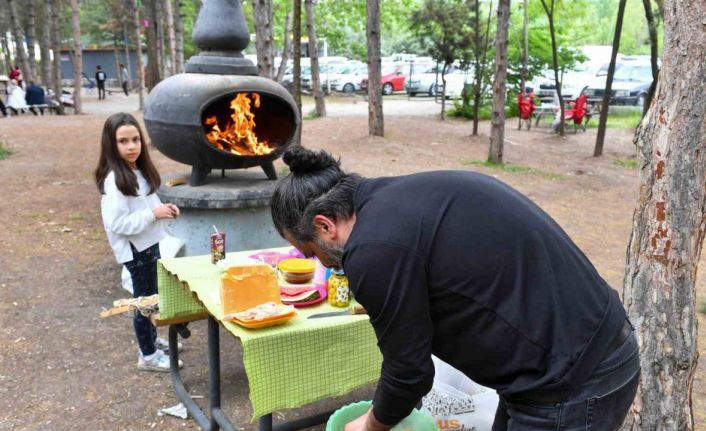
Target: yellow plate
(297,266)
(264,323)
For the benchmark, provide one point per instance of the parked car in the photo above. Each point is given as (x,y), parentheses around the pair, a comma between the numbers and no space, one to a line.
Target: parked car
(288,78)
(425,82)
(392,78)
(325,73)
(631,82)
(455,83)
(349,79)
(574,81)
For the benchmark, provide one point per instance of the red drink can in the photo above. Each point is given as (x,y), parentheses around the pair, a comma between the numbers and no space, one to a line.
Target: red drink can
(218,246)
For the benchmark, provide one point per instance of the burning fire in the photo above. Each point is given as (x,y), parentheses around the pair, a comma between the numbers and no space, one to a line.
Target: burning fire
(238,136)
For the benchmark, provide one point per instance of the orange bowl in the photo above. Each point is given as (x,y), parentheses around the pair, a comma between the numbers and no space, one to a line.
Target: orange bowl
(297,277)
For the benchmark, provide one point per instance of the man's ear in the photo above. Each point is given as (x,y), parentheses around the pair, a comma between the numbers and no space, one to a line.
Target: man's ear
(325,227)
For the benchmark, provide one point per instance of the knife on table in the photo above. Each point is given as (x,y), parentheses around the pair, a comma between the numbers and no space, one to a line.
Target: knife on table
(357,309)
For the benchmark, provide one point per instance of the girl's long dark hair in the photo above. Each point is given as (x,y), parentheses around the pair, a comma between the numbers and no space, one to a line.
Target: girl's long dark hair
(316,185)
(110,160)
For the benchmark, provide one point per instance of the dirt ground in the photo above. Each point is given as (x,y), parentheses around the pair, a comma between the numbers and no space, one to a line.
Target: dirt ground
(62,367)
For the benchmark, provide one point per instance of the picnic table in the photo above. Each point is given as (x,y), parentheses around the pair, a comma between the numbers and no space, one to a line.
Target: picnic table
(275,358)
(547,110)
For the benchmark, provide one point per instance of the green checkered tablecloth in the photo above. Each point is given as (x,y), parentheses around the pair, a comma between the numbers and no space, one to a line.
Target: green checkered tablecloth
(290,365)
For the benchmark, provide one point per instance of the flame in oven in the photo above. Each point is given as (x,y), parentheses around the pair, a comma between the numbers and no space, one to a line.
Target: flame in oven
(238,135)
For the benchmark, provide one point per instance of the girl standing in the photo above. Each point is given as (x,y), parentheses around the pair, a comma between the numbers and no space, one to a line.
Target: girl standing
(132,217)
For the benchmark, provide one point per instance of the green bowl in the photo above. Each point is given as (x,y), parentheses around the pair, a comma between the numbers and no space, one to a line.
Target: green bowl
(416,421)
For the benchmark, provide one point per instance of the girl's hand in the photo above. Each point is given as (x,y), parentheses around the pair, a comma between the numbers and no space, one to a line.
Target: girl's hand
(175,210)
(163,212)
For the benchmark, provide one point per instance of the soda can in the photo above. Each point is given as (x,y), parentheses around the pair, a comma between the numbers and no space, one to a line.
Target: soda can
(218,246)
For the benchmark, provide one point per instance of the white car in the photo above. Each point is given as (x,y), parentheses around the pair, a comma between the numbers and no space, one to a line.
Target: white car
(326,71)
(455,83)
(593,69)
(348,80)
(425,82)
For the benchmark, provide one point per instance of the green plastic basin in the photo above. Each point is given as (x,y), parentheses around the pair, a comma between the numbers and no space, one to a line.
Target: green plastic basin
(416,421)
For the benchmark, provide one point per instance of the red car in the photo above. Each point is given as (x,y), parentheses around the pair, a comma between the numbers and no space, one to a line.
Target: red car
(392,78)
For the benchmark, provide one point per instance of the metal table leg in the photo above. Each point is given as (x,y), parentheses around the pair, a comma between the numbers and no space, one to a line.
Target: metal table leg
(183,395)
(218,419)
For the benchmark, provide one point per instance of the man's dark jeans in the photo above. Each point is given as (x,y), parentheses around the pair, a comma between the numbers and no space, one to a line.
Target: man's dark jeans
(101,89)
(143,271)
(600,404)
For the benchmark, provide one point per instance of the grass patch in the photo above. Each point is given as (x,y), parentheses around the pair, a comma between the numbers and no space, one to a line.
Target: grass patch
(619,117)
(5,151)
(626,163)
(311,115)
(513,169)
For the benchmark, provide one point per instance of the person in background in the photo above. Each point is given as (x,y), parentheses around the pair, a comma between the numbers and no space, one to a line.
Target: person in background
(16,98)
(124,78)
(16,74)
(35,96)
(100,82)
(460,265)
(133,220)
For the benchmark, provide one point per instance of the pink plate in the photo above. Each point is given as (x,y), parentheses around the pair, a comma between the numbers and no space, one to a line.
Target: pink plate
(322,296)
(271,258)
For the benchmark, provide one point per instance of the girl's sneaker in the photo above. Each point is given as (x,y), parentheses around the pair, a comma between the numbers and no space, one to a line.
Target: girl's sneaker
(155,362)
(163,344)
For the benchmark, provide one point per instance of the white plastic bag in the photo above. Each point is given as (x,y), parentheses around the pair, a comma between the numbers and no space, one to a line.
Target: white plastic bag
(170,246)
(457,403)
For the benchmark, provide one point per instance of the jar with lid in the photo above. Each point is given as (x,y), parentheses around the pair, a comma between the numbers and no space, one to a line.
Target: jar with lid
(338,291)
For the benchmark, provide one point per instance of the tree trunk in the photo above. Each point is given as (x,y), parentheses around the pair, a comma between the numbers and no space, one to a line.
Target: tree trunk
(116,57)
(178,37)
(497,130)
(525,46)
(153,66)
(78,56)
(44,46)
(138,45)
(6,53)
(286,48)
(609,81)
(126,38)
(443,91)
(555,63)
(262,13)
(56,51)
(669,226)
(652,26)
(31,38)
(376,121)
(171,36)
(20,52)
(480,69)
(314,54)
(297,69)
(159,31)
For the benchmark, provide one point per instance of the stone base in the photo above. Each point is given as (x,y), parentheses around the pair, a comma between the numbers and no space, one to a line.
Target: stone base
(237,204)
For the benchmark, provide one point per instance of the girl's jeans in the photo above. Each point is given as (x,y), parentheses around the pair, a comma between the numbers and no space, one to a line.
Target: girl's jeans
(599,404)
(143,271)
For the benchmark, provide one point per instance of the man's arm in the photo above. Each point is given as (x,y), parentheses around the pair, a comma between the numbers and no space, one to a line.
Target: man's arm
(390,282)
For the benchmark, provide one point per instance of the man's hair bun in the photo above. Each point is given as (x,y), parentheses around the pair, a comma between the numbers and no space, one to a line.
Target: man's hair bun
(305,162)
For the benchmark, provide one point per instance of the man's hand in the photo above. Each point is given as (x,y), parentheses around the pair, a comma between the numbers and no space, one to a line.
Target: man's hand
(367,422)
(360,424)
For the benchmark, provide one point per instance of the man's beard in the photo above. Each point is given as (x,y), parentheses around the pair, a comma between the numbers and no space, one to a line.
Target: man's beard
(334,254)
